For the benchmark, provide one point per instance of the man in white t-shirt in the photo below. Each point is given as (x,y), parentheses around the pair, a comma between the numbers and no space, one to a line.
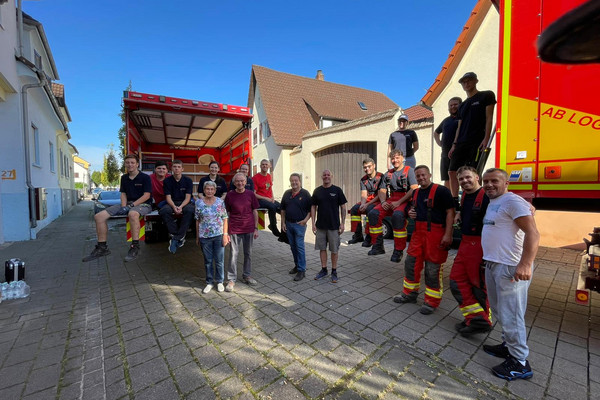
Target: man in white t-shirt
(509,240)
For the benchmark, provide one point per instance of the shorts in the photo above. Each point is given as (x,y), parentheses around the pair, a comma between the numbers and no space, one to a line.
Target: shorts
(141,209)
(325,236)
(444,165)
(464,154)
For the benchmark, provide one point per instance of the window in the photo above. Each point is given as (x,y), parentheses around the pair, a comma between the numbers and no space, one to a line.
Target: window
(260,137)
(255,137)
(362,105)
(76,174)
(52,157)
(66,166)
(267,131)
(62,165)
(37,60)
(36,145)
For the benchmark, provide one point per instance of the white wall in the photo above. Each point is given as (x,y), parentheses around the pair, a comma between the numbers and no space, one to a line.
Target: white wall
(481,58)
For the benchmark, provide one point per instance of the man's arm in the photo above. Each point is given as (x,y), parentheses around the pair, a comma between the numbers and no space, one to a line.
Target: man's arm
(454,141)
(530,246)
(389,160)
(415,143)
(489,116)
(142,199)
(255,214)
(170,201)
(186,201)
(406,197)
(438,140)
(313,213)
(447,239)
(342,218)
(283,227)
(382,194)
(123,199)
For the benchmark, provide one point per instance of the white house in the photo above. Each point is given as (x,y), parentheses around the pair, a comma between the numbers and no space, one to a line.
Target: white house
(34,134)
(81,173)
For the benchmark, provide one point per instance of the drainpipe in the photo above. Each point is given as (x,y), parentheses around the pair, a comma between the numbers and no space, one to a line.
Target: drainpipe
(30,188)
(20,26)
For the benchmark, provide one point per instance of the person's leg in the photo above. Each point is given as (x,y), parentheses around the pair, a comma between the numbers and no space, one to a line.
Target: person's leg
(356,224)
(235,249)
(299,240)
(134,223)
(207,251)
(185,221)
(101,225)
(291,234)
(411,161)
(218,256)
(323,256)
(376,216)
(248,239)
(166,213)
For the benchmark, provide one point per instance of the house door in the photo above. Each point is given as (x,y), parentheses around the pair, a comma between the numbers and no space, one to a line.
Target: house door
(345,162)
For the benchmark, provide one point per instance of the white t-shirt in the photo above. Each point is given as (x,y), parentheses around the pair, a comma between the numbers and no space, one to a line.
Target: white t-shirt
(501,238)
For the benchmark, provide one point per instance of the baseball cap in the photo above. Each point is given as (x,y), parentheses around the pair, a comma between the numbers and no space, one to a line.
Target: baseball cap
(403,116)
(468,75)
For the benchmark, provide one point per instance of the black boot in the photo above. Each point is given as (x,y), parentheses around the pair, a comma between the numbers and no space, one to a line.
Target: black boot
(397,256)
(367,241)
(377,247)
(358,236)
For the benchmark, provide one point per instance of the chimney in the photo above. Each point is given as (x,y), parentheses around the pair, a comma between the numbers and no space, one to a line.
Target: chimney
(320,76)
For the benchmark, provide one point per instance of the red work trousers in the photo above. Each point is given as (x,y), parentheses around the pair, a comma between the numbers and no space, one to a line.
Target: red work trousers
(424,252)
(467,282)
(398,214)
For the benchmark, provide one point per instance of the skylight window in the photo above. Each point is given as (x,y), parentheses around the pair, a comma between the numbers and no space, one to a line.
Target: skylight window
(362,105)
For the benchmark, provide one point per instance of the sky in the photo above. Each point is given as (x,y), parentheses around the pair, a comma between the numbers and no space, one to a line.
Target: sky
(205,50)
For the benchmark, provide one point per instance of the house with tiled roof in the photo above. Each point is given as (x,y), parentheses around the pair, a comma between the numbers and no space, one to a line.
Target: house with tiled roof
(306,124)
(476,49)
(37,165)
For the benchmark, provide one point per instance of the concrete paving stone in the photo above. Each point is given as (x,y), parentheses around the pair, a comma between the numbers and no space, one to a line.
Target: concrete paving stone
(535,347)
(372,383)
(165,341)
(178,355)
(575,328)
(295,372)
(325,368)
(42,394)
(286,339)
(134,325)
(130,333)
(159,391)
(307,332)
(570,370)
(366,317)
(342,334)
(189,377)
(327,344)
(263,377)
(230,388)
(572,352)
(262,342)
(313,305)
(408,386)
(288,319)
(446,387)
(395,361)
(9,335)
(270,308)
(19,355)
(147,374)
(279,357)
(594,346)
(426,370)
(543,336)
(363,303)
(346,357)
(428,346)
(404,333)
(483,372)
(334,316)
(268,325)
(203,393)
(15,374)
(93,364)
(323,324)
(144,342)
(42,379)
(219,373)
(303,351)
(208,356)
(547,324)
(113,375)
(70,392)
(564,388)
(313,386)
(162,328)
(51,356)
(232,344)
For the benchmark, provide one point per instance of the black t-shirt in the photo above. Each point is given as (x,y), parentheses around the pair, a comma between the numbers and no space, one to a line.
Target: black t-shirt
(221,185)
(448,130)
(178,190)
(296,207)
(442,201)
(371,185)
(136,187)
(328,200)
(472,221)
(403,141)
(399,181)
(471,114)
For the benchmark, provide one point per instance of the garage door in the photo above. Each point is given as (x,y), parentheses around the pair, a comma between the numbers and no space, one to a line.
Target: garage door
(345,162)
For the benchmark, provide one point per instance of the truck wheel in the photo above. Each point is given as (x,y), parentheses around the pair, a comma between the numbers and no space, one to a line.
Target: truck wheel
(388,232)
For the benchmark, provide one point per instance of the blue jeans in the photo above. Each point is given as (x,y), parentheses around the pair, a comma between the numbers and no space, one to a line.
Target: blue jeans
(214,252)
(295,234)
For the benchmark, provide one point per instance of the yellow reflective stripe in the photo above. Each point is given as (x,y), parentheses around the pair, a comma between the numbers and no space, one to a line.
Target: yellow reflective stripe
(355,218)
(472,309)
(376,230)
(411,286)
(433,293)
(399,234)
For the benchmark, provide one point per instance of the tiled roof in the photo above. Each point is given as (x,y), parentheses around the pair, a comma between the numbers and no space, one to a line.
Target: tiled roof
(418,113)
(354,123)
(458,51)
(293,104)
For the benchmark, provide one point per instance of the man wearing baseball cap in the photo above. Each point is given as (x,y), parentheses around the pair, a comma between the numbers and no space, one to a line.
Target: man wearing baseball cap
(475,117)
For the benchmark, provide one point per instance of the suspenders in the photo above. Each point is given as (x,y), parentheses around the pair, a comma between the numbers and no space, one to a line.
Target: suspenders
(429,202)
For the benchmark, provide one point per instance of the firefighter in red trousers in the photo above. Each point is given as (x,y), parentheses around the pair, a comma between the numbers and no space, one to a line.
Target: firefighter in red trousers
(400,181)
(433,211)
(369,188)
(467,279)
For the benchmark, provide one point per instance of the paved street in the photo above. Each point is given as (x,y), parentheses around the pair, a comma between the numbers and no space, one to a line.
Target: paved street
(143,330)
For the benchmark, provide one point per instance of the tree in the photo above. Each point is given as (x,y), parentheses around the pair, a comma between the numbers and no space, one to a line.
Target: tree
(97,178)
(110,173)
(123,134)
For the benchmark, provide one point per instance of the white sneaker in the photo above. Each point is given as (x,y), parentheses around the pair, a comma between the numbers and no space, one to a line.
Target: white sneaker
(207,289)
(220,287)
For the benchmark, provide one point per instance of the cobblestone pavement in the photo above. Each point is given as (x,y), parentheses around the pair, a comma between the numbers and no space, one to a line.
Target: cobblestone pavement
(143,330)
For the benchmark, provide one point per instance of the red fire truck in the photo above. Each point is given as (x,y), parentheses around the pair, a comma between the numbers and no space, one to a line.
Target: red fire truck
(195,132)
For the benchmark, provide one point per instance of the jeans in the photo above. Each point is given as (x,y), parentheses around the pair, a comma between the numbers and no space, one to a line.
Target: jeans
(237,240)
(508,301)
(214,252)
(295,234)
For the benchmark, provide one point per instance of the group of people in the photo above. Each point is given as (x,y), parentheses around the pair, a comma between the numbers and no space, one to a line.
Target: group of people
(491,271)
